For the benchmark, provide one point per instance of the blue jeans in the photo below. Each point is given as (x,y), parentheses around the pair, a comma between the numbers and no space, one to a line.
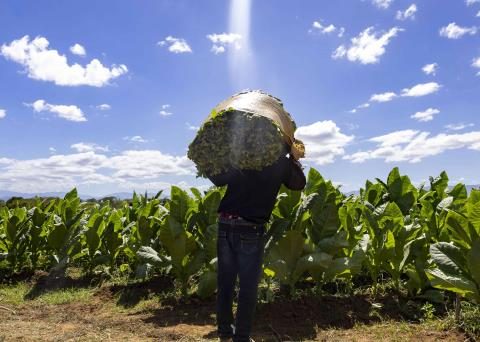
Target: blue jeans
(240,252)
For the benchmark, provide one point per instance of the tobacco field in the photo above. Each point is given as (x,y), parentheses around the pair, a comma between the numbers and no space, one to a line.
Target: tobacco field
(424,241)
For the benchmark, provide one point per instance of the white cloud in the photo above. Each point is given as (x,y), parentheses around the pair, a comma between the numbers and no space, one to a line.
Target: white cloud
(458,126)
(409,13)
(421,89)
(176,45)
(323,141)
(192,127)
(426,115)
(476,64)
(63,172)
(55,173)
(340,52)
(6,161)
(78,49)
(148,164)
(352,126)
(223,40)
(413,146)
(416,91)
(367,47)
(218,49)
(471,2)
(453,31)
(385,97)
(164,111)
(68,112)
(478,14)
(135,139)
(52,150)
(394,138)
(383,4)
(44,64)
(3,113)
(430,69)
(82,147)
(104,106)
(362,106)
(317,26)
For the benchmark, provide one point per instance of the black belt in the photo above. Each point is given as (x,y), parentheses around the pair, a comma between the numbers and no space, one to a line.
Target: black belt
(241,222)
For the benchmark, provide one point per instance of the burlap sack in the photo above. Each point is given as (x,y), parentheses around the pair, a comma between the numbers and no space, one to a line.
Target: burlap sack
(260,103)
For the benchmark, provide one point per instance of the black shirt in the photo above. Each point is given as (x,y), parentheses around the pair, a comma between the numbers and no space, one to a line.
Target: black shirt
(252,194)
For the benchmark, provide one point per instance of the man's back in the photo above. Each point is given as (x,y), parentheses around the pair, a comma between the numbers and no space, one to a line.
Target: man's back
(252,194)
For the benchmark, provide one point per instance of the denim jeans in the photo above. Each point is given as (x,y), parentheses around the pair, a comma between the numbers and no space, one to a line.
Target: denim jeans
(240,252)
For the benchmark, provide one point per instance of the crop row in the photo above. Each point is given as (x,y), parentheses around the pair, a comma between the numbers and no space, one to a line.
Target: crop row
(425,239)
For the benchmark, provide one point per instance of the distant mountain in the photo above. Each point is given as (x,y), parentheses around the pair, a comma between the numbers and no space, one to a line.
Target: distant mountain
(6,195)
(470,187)
(119,195)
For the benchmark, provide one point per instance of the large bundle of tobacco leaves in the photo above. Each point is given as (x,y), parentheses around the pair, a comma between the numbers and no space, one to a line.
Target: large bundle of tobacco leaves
(245,132)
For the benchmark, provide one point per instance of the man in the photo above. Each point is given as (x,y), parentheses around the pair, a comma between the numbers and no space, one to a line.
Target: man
(243,213)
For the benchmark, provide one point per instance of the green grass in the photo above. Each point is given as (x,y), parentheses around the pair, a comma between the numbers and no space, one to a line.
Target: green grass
(15,295)
(469,320)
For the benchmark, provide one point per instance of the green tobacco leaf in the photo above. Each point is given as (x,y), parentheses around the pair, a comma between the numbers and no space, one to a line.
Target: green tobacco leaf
(445,203)
(433,296)
(458,192)
(276,230)
(449,258)
(149,255)
(474,197)
(473,261)
(451,282)
(458,226)
(325,217)
(180,203)
(315,182)
(93,238)
(473,213)
(12,229)
(439,184)
(210,205)
(207,284)
(38,217)
(57,237)
(302,214)
(374,193)
(393,176)
(288,200)
(144,230)
(71,195)
(196,193)
(174,238)
(333,244)
(285,254)
(280,270)
(314,263)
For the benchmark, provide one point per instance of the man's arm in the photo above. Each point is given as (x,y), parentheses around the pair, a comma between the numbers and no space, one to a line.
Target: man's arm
(295,179)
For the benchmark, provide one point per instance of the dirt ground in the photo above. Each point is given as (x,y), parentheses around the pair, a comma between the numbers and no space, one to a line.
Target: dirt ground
(126,313)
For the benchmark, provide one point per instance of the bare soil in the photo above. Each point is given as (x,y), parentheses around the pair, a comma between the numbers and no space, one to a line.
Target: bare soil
(136,313)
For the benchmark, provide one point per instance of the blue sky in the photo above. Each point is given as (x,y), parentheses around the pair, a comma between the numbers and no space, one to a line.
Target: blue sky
(106,95)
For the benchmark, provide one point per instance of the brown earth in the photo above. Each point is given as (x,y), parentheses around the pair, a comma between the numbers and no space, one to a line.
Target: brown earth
(134,313)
